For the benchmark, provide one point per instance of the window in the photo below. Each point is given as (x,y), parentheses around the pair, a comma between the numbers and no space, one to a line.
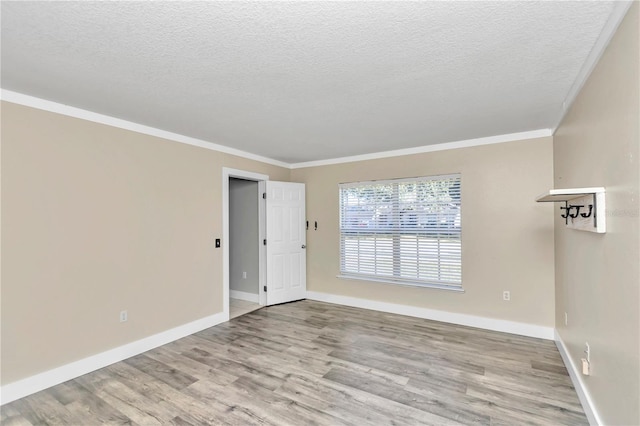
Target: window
(405,231)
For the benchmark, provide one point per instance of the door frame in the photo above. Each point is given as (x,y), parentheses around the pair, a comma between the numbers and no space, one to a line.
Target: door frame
(228,173)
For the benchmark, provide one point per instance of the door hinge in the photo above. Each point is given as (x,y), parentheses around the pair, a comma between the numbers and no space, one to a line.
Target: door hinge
(264,195)
(265,288)
(264,242)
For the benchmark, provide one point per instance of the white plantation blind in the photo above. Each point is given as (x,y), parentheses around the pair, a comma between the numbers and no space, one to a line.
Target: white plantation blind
(404,230)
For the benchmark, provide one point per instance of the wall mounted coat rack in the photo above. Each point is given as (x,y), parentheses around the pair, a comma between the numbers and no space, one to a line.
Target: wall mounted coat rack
(583,207)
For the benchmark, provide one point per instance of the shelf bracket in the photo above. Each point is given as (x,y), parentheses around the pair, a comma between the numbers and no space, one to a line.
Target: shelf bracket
(583,207)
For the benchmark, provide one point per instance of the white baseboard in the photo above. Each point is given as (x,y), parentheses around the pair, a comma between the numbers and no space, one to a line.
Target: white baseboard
(578,383)
(243,295)
(523,329)
(38,382)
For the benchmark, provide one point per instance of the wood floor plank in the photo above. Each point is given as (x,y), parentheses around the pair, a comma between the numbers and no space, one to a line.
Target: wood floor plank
(10,416)
(317,363)
(543,411)
(294,389)
(89,406)
(179,421)
(161,371)
(192,410)
(451,352)
(191,367)
(228,397)
(437,383)
(349,403)
(266,379)
(271,408)
(442,407)
(562,397)
(136,407)
(15,420)
(444,360)
(279,408)
(43,408)
(552,368)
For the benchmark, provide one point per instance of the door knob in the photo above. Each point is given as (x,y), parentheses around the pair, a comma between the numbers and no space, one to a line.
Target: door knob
(304,246)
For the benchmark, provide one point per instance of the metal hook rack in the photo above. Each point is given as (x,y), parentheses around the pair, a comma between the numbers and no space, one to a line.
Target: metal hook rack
(581,207)
(568,208)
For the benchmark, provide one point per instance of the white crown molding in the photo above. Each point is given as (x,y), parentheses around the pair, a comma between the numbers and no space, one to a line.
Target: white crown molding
(511,137)
(43,104)
(38,382)
(576,378)
(620,9)
(513,327)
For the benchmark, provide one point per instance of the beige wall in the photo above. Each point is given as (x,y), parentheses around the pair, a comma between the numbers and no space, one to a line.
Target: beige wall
(96,220)
(507,238)
(597,278)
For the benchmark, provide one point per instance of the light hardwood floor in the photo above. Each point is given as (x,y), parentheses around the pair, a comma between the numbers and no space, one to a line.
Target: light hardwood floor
(316,363)
(239,307)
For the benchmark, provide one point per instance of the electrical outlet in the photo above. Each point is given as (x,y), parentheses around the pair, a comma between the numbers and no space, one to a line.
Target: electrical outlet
(566,318)
(244,275)
(124,316)
(506,295)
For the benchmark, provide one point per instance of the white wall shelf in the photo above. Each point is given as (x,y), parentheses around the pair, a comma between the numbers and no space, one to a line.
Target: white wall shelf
(583,207)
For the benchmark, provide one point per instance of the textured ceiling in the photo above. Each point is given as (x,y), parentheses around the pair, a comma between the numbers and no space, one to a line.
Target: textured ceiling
(302,81)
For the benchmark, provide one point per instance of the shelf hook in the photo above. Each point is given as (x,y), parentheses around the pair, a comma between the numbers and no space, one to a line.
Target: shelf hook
(576,214)
(589,213)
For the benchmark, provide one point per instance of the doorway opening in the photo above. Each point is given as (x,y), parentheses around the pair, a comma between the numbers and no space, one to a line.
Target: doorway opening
(281,240)
(244,280)
(244,268)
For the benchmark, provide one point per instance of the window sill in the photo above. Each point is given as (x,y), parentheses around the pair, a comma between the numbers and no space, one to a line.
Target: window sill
(404,284)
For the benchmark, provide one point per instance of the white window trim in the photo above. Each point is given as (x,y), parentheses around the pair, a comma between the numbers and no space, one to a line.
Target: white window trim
(455,287)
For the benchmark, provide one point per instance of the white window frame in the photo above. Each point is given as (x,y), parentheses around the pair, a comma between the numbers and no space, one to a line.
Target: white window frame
(426,265)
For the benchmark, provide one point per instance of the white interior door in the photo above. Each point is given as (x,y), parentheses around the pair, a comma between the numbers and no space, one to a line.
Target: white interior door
(286,242)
